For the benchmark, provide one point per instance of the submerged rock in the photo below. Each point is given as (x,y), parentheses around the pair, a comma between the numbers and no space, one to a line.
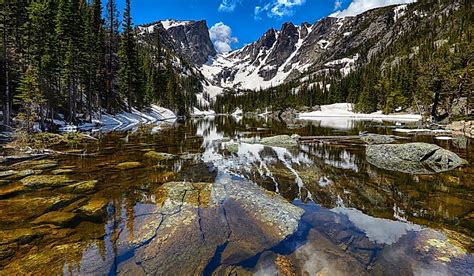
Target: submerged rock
(159,156)
(19,210)
(280,140)
(62,171)
(414,158)
(25,173)
(188,222)
(8,173)
(372,139)
(81,187)
(21,236)
(128,165)
(56,218)
(12,189)
(41,181)
(95,209)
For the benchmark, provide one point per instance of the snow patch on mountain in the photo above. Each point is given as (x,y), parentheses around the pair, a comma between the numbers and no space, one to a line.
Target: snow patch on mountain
(168,24)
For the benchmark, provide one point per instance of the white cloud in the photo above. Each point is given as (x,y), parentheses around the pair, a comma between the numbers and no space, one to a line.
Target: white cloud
(360,6)
(221,37)
(228,5)
(278,8)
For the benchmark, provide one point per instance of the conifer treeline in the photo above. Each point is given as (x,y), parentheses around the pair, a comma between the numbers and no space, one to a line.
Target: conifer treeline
(64,60)
(428,71)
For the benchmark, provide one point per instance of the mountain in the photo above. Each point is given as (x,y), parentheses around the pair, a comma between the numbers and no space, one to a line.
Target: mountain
(323,55)
(330,44)
(187,38)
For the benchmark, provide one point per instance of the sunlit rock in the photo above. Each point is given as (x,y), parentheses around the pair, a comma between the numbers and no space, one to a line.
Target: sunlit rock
(19,210)
(158,156)
(12,189)
(35,164)
(41,181)
(62,171)
(95,208)
(237,214)
(57,218)
(81,187)
(8,173)
(22,235)
(128,165)
(414,158)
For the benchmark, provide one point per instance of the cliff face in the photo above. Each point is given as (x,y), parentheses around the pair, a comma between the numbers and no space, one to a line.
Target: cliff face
(189,39)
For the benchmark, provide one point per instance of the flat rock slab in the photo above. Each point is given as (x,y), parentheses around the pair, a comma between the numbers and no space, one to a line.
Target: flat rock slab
(81,187)
(128,165)
(57,218)
(413,158)
(183,230)
(20,210)
(41,181)
(158,156)
(9,190)
(95,208)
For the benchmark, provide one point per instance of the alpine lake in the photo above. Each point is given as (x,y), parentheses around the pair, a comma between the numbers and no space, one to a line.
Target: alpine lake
(204,197)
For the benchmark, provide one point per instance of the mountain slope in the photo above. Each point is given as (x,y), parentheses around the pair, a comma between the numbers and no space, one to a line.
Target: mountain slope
(328,45)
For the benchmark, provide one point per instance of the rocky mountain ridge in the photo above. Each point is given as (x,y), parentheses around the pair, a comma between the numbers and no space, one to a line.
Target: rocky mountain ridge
(294,53)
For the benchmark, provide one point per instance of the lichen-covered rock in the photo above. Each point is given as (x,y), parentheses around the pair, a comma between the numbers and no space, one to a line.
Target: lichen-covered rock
(414,158)
(41,181)
(159,156)
(128,165)
(373,139)
(57,218)
(280,140)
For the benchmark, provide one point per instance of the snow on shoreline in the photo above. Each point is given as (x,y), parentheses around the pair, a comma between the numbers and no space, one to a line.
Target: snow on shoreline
(345,110)
(203,113)
(122,121)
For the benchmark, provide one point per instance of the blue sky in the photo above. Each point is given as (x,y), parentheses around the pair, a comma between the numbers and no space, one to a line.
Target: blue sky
(241,18)
(244,21)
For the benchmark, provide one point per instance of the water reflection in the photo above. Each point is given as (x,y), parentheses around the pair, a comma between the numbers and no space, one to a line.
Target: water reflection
(237,206)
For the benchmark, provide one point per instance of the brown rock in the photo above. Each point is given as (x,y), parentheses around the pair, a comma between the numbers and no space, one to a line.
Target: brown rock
(57,218)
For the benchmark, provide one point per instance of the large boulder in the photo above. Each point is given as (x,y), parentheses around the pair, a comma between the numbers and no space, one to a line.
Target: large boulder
(414,158)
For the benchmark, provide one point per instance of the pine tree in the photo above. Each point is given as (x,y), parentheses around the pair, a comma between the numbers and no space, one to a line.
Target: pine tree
(128,60)
(112,45)
(29,98)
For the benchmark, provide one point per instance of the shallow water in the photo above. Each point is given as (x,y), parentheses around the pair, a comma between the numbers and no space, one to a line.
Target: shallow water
(221,205)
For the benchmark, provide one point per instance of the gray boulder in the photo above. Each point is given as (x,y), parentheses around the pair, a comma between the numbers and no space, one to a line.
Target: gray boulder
(280,140)
(414,158)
